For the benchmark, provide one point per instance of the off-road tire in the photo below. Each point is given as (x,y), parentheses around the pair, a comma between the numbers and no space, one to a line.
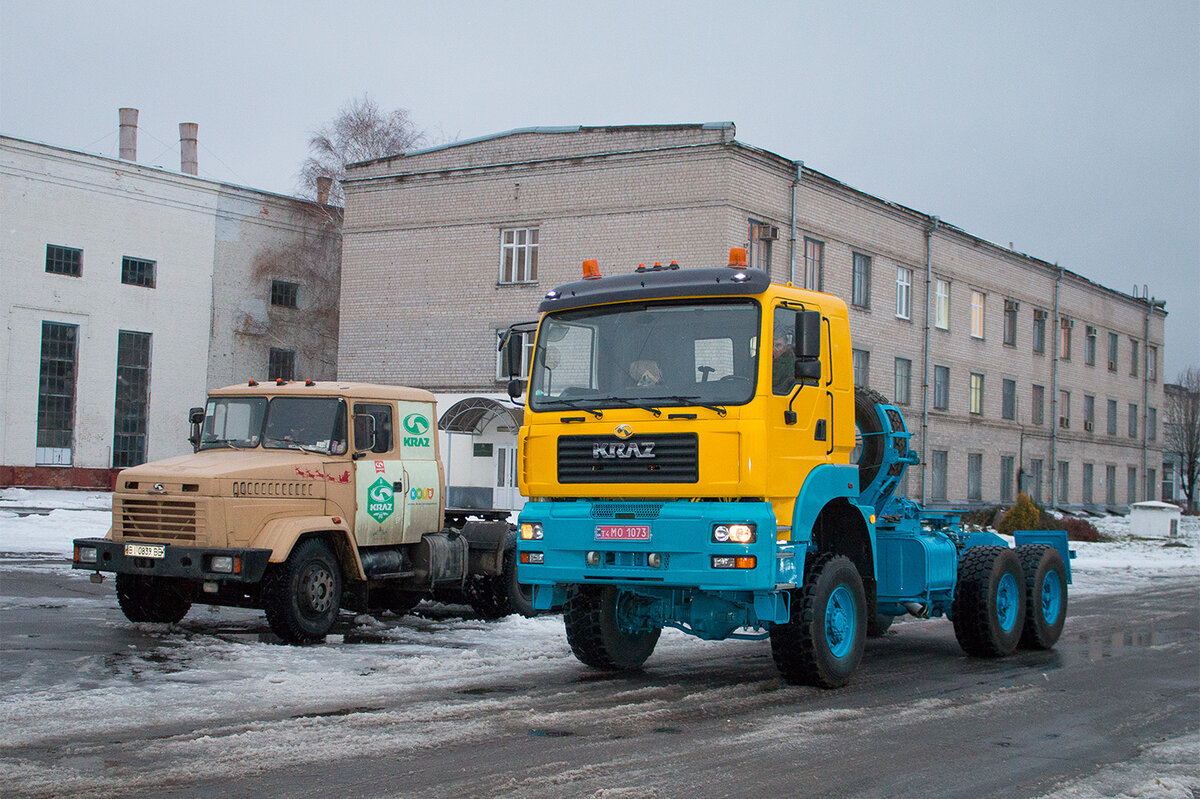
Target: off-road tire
(494,597)
(989,601)
(1045,595)
(302,596)
(866,420)
(822,642)
(154,599)
(590,617)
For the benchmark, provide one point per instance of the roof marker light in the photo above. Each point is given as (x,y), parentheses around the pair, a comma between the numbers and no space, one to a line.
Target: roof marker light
(737,257)
(252,382)
(591,269)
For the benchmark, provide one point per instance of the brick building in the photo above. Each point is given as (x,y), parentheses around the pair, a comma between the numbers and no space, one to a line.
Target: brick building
(129,290)
(1011,371)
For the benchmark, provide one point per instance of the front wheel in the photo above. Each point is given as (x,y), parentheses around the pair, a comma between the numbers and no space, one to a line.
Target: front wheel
(822,642)
(156,599)
(989,602)
(592,618)
(302,596)
(1045,595)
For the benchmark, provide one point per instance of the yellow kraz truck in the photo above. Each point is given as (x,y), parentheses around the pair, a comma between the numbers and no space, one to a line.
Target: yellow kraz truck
(302,498)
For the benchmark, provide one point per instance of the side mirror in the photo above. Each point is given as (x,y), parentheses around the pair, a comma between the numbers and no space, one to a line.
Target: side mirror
(364,432)
(808,335)
(515,389)
(195,421)
(808,370)
(513,347)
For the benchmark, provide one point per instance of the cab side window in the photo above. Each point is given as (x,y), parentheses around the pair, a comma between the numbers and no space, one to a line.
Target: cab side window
(783,351)
(383,424)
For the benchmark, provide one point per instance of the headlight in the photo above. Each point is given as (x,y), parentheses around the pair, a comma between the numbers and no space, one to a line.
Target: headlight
(531,531)
(734,534)
(221,563)
(734,561)
(86,554)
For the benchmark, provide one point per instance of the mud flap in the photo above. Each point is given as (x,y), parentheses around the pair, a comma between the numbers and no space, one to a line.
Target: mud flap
(487,542)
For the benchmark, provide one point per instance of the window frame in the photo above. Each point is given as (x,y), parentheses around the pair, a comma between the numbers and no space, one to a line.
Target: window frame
(904,293)
(862,370)
(978,307)
(278,356)
(1008,399)
(1089,346)
(902,389)
(860,281)
(1039,330)
(519,257)
(1012,310)
(134,270)
(58,264)
(975,405)
(285,294)
(941,388)
(813,277)
(1037,400)
(131,406)
(941,309)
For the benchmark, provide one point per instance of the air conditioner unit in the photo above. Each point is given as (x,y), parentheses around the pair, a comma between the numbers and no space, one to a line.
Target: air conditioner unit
(768,233)
(1088,426)
(1064,421)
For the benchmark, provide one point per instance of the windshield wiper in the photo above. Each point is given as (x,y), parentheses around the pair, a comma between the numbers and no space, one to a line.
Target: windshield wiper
(221,442)
(572,404)
(301,447)
(628,403)
(720,409)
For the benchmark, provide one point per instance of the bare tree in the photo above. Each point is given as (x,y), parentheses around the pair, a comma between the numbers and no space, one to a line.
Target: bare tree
(1182,429)
(360,132)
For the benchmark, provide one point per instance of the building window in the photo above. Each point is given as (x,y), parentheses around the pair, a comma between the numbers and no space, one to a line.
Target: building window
(860,281)
(138,272)
(1168,482)
(1065,326)
(975,476)
(1112,417)
(133,399)
(1006,478)
(518,255)
(862,367)
(1133,425)
(1131,492)
(56,394)
(1110,484)
(1151,479)
(903,293)
(1010,322)
(1064,481)
(941,314)
(1113,341)
(977,302)
(902,394)
(1038,405)
(1089,346)
(281,364)
(1064,409)
(64,260)
(1008,399)
(1152,363)
(761,236)
(938,473)
(1152,424)
(1039,330)
(814,264)
(284,294)
(1088,480)
(527,358)
(976,392)
(1133,357)
(941,388)
(1034,480)
(1089,413)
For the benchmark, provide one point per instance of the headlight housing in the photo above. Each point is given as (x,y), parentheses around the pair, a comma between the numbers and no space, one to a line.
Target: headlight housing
(736,533)
(531,531)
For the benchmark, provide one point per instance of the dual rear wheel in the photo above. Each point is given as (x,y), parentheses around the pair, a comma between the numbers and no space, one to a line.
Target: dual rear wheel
(1008,598)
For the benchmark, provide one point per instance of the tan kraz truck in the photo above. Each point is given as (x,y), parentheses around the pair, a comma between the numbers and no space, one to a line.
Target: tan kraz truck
(303,498)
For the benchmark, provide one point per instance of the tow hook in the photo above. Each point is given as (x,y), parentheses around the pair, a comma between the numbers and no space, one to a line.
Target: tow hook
(96,577)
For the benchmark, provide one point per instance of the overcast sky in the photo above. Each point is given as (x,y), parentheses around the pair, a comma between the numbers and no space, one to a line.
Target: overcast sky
(1071,130)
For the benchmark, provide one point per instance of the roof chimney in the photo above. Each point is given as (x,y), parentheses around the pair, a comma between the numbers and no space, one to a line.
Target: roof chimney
(129,118)
(324,183)
(189,163)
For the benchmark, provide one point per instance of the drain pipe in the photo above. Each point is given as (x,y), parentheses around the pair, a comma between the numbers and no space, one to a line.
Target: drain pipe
(1057,333)
(929,230)
(795,185)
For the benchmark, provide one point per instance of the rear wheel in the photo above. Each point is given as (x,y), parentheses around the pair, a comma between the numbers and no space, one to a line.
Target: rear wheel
(592,619)
(302,596)
(494,597)
(989,602)
(1045,595)
(156,599)
(822,643)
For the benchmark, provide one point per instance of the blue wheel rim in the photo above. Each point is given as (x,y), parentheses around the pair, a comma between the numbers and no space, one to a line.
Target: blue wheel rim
(841,622)
(1008,600)
(1051,597)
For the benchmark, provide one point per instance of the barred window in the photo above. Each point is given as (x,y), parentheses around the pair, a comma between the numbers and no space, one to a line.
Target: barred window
(56,394)
(284,294)
(64,260)
(281,364)
(138,272)
(518,255)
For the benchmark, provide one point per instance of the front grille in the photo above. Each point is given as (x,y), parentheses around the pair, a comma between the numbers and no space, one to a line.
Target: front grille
(157,519)
(666,458)
(626,510)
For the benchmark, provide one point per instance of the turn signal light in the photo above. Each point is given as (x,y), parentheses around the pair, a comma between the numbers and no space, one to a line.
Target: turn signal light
(534,558)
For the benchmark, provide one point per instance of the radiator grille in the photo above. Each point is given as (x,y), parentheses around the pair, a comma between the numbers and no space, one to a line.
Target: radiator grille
(157,519)
(676,458)
(626,510)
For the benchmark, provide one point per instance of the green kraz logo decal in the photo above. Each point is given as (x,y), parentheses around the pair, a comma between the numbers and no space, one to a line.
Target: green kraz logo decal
(416,425)
(381,500)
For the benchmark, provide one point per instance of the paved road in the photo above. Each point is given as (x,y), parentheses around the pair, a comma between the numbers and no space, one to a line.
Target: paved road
(919,719)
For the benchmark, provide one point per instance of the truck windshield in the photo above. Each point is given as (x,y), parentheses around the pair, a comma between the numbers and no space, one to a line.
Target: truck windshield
(311,424)
(648,354)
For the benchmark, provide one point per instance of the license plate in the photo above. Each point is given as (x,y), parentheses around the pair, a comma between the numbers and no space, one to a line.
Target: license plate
(145,550)
(622,532)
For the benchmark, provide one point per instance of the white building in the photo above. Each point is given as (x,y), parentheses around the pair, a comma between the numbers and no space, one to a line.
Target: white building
(128,291)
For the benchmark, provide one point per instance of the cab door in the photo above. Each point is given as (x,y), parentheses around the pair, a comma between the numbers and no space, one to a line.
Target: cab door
(381,484)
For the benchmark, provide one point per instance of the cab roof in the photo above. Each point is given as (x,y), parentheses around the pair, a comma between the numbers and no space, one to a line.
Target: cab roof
(326,388)
(659,283)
